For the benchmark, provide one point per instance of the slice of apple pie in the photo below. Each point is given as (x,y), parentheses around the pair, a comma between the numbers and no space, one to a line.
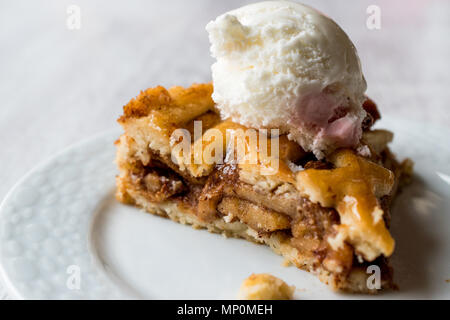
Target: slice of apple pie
(328,216)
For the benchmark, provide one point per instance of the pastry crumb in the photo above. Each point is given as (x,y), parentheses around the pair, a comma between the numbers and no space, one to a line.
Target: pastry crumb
(286,263)
(264,286)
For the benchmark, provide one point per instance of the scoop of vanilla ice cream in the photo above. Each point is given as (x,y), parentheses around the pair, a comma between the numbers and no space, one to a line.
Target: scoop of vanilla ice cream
(285,65)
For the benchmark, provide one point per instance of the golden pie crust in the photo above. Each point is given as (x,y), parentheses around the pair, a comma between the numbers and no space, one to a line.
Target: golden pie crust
(330,219)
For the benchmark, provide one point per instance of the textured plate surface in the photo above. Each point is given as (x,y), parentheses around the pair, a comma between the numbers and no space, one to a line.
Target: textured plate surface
(62,234)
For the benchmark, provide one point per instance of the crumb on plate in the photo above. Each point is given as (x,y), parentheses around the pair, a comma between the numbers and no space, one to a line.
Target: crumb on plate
(264,286)
(286,263)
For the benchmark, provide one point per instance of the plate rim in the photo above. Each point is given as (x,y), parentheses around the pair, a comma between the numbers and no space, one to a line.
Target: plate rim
(10,290)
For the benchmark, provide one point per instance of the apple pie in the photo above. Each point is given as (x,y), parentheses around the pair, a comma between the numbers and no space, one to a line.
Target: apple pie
(329,217)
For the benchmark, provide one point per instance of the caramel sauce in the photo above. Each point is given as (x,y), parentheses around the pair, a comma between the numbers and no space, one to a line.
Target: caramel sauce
(352,188)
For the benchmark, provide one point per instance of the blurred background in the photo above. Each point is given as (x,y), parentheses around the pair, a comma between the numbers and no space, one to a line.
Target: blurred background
(62,81)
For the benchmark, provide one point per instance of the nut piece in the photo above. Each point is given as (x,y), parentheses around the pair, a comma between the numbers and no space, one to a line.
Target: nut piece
(264,286)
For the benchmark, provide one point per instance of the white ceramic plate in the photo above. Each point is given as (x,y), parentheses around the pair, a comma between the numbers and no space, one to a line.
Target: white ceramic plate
(62,234)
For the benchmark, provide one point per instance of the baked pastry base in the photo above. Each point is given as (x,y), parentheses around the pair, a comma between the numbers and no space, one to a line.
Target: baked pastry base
(234,201)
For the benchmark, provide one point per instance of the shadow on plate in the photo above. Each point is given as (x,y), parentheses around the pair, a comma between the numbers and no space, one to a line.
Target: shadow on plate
(415,244)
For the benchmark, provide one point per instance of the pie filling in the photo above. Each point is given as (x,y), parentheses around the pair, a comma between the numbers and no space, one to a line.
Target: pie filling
(333,215)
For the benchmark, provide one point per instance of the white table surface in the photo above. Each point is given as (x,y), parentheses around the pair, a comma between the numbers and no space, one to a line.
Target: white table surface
(58,86)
